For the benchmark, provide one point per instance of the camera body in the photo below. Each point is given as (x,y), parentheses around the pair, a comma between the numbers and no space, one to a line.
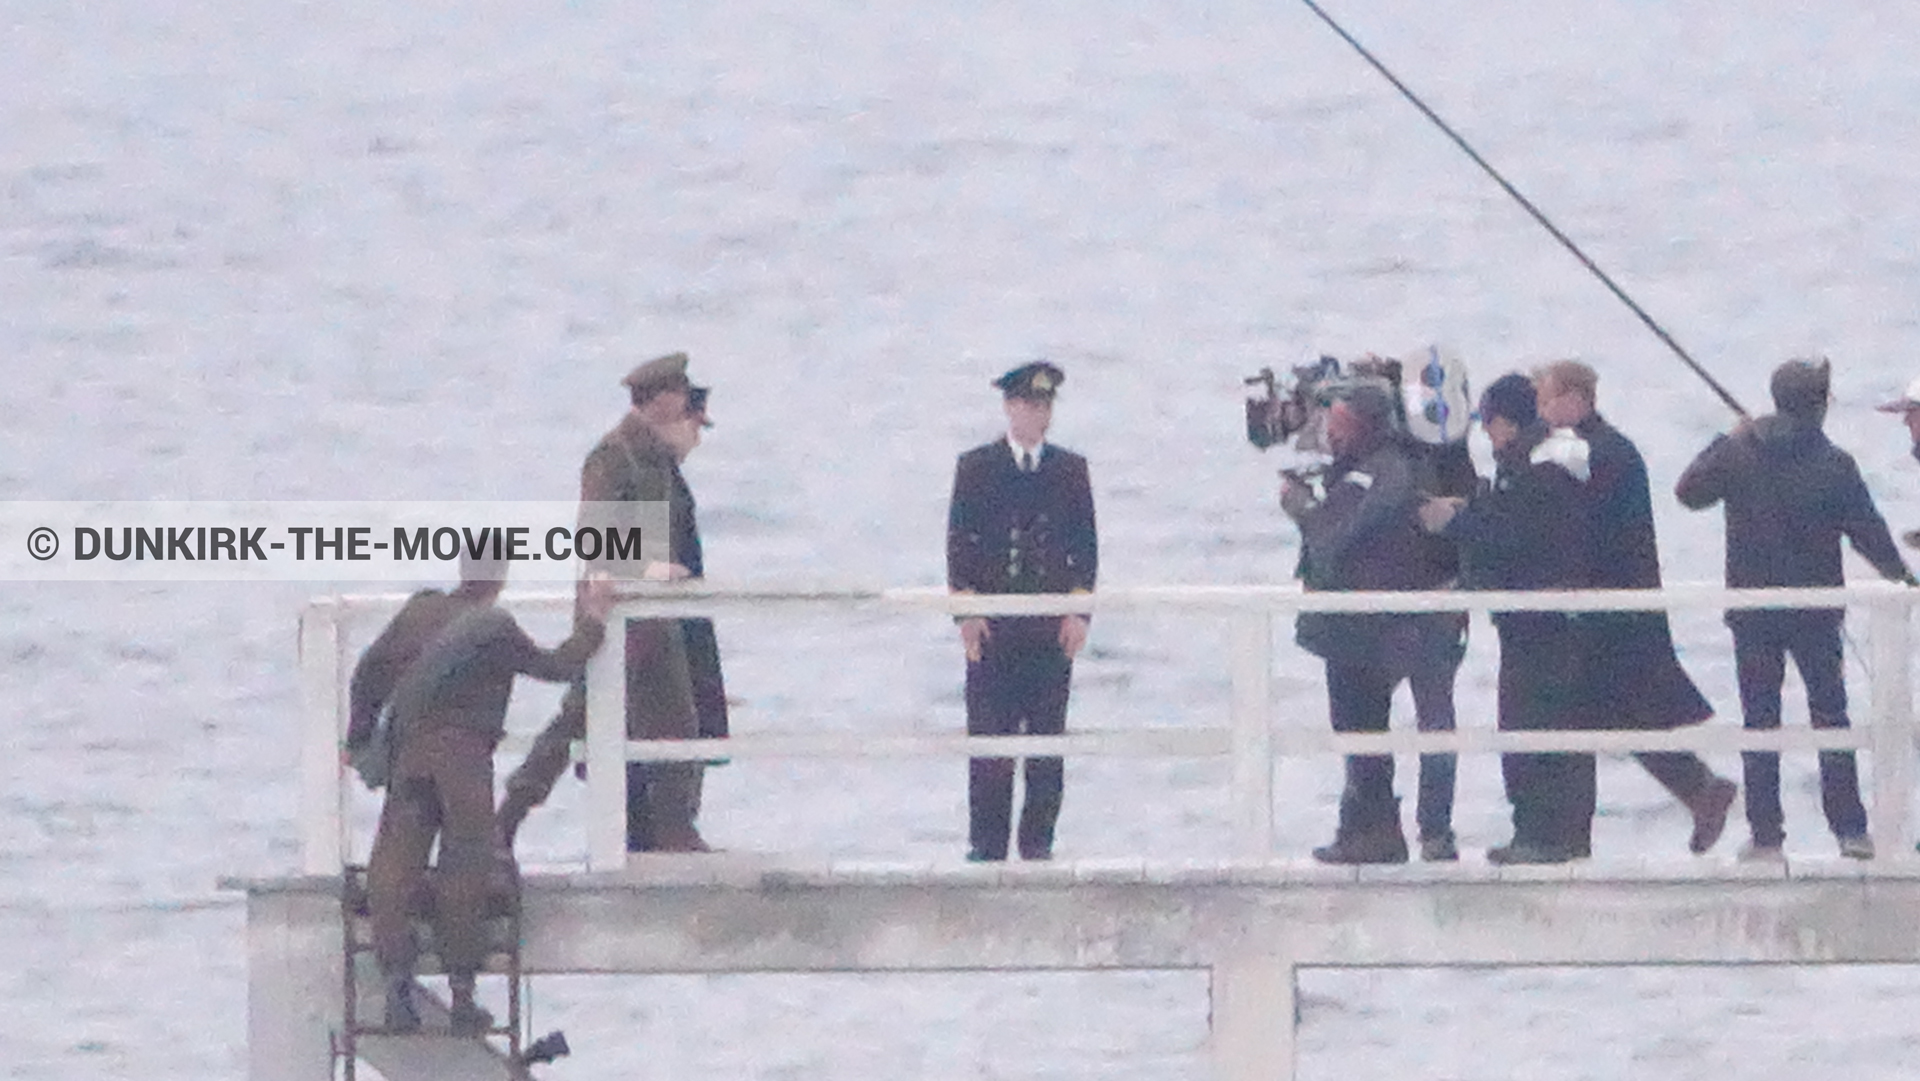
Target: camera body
(1435,408)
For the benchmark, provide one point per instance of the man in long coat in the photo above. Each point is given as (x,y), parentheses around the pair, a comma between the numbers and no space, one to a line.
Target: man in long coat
(674,688)
(1020,521)
(1529,531)
(1636,676)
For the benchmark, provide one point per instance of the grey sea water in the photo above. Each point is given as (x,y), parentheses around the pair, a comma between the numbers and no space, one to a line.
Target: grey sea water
(380,251)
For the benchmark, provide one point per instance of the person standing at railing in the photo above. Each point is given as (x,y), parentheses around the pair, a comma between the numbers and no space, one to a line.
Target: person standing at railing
(1529,531)
(1020,521)
(1907,406)
(447,711)
(1636,675)
(674,688)
(1362,532)
(1790,496)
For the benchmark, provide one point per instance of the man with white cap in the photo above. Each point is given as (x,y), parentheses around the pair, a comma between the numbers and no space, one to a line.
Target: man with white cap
(1907,406)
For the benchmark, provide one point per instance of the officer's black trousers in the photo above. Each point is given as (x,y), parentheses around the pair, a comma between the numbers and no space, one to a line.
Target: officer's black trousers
(1017,687)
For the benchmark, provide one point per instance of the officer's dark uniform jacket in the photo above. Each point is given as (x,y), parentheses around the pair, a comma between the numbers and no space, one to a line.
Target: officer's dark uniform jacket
(1630,653)
(1790,496)
(1366,535)
(1015,532)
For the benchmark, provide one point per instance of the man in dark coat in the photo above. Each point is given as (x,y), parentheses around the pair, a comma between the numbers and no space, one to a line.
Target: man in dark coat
(674,688)
(1637,678)
(1790,496)
(443,669)
(1529,531)
(1364,533)
(1020,521)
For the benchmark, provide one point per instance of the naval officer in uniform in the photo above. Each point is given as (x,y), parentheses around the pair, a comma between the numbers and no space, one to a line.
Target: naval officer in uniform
(1020,521)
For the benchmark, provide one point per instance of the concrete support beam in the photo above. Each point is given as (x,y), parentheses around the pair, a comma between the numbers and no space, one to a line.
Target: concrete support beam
(295,988)
(1251,925)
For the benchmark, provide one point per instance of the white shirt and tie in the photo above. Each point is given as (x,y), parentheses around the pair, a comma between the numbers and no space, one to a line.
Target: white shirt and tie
(1026,460)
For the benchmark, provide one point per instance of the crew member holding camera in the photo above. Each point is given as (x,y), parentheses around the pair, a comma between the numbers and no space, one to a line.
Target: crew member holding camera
(1364,533)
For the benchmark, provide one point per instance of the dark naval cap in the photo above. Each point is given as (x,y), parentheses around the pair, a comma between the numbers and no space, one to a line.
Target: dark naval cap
(1038,381)
(1511,396)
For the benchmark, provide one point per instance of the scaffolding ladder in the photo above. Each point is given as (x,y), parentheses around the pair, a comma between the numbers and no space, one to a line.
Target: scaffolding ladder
(432,1052)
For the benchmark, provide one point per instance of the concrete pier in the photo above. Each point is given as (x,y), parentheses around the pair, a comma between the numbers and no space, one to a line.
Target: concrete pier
(1250,924)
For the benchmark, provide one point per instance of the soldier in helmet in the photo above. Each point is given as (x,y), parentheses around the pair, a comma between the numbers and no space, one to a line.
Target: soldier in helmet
(1790,496)
(674,688)
(1020,521)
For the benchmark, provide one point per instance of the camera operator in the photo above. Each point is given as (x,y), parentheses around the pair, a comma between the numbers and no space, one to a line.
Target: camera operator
(1364,533)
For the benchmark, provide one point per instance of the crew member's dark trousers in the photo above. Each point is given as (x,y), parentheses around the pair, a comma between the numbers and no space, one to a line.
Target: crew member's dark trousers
(1760,648)
(1360,699)
(1432,685)
(1541,688)
(1017,687)
(442,786)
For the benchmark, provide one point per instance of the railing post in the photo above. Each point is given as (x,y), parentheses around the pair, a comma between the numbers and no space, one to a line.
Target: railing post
(1251,652)
(607,751)
(1892,737)
(323,710)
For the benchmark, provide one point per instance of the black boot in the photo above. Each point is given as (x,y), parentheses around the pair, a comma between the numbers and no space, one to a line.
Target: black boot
(466,1017)
(402,1014)
(1369,833)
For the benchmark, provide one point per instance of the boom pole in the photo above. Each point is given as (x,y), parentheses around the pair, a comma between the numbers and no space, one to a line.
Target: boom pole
(1528,206)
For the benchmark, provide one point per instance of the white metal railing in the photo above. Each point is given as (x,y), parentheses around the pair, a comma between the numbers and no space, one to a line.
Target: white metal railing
(1249,739)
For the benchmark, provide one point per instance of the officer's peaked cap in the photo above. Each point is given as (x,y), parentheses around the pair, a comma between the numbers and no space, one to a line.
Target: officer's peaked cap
(1037,381)
(657,375)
